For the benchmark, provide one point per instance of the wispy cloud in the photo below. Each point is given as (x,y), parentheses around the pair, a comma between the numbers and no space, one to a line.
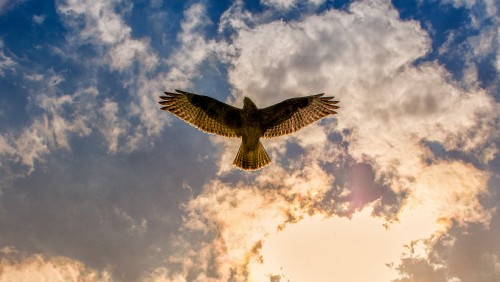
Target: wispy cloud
(483,8)
(6,62)
(480,48)
(39,19)
(284,5)
(5,5)
(193,49)
(60,118)
(124,127)
(103,26)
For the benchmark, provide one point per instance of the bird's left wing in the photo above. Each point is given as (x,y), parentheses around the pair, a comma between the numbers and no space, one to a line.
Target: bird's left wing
(204,113)
(293,114)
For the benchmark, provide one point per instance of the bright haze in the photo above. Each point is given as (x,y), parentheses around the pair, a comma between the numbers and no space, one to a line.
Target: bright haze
(98,184)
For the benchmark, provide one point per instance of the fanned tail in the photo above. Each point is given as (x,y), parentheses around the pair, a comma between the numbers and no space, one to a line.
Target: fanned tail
(251,159)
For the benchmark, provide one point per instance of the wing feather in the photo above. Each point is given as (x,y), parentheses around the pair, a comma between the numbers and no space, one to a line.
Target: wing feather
(293,114)
(204,113)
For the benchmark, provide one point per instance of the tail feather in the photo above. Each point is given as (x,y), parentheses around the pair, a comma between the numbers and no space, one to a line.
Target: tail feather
(249,159)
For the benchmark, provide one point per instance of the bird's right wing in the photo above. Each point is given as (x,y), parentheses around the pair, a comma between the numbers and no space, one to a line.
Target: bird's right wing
(293,114)
(204,113)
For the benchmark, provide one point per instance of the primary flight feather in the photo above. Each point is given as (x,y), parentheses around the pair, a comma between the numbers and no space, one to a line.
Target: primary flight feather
(249,123)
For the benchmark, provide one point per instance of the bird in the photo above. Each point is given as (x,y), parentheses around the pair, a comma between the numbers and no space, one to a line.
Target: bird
(250,123)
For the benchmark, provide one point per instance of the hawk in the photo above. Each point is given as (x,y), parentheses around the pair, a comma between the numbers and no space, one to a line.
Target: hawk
(249,123)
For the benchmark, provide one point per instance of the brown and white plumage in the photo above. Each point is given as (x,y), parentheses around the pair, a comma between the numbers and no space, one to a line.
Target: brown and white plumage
(249,123)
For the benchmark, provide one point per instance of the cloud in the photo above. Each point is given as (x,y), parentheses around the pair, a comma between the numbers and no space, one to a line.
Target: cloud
(391,108)
(134,226)
(5,5)
(39,19)
(16,267)
(335,248)
(193,48)
(62,116)
(453,260)
(288,4)
(6,62)
(487,43)
(488,8)
(124,127)
(103,26)
(280,4)
(184,65)
(113,128)
(278,226)
(313,49)
(481,47)
(240,217)
(235,18)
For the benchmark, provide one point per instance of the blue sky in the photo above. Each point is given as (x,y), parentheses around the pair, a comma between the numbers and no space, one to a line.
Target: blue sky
(98,184)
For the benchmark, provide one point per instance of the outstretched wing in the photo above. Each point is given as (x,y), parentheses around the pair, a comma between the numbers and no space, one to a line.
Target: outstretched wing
(293,114)
(204,113)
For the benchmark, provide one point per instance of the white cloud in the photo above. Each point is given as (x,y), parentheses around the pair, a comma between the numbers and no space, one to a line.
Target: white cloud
(193,49)
(235,18)
(485,41)
(389,109)
(105,27)
(449,191)
(80,113)
(100,20)
(39,19)
(334,249)
(315,54)
(6,62)
(280,4)
(287,4)
(112,127)
(52,129)
(490,6)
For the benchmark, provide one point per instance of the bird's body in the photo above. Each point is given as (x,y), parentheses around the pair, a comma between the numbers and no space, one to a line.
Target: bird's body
(249,123)
(251,154)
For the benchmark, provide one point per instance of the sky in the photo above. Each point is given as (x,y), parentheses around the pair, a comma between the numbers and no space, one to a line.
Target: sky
(98,184)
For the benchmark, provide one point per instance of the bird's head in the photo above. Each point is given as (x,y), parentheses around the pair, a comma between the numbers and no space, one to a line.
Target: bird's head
(248,104)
